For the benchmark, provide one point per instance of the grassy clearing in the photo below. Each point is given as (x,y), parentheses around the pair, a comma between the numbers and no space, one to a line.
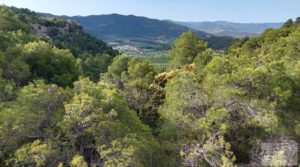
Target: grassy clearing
(158,58)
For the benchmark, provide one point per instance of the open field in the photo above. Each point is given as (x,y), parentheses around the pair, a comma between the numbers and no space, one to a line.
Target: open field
(158,58)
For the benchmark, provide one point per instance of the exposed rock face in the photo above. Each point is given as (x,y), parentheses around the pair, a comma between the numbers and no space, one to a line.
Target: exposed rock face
(57,28)
(39,29)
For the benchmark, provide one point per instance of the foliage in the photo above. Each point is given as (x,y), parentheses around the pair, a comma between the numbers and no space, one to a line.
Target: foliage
(94,66)
(35,47)
(134,77)
(51,64)
(61,106)
(78,161)
(185,49)
(96,113)
(35,154)
(242,96)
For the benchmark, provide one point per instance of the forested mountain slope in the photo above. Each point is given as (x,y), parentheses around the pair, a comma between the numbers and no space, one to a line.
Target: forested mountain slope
(229,105)
(67,104)
(23,32)
(142,32)
(62,33)
(51,114)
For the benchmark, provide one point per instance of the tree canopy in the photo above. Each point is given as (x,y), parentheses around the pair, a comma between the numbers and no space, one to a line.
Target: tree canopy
(70,103)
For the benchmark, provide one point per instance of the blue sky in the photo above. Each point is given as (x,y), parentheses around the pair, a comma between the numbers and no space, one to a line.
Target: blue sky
(178,10)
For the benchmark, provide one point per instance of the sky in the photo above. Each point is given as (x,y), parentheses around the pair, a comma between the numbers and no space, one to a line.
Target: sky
(244,11)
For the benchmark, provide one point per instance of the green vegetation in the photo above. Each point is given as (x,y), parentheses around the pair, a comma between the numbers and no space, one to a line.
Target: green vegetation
(67,99)
(33,47)
(159,59)
(142,32)
(185,50)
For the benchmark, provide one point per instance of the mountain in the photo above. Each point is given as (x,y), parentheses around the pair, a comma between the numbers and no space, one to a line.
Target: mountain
(63,33)
(224,28)
(141,32)
(56,50)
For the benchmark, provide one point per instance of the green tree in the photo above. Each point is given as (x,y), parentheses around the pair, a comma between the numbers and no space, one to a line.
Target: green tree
(116,69)
(51,64)
(13,66)
(94,66)
(7,90)
(128,151)
(98,113)
(37,154)
(185,49)
(192,123)
(135,78)
(139,95)
(33,115)
(78,161)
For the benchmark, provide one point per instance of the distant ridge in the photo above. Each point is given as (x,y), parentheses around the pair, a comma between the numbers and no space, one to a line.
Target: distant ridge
(141,32)
(238,30)
(138,31)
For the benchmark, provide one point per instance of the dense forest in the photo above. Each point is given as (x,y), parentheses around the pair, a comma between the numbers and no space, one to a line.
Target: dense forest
(68,99)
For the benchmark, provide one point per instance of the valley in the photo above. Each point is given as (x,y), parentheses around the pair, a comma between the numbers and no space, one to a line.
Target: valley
(112,90)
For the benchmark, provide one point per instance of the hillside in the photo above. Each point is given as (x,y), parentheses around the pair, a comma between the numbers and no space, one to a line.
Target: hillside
(224,28)
(66,99)
(21,29)
(63,33)
(141,32)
